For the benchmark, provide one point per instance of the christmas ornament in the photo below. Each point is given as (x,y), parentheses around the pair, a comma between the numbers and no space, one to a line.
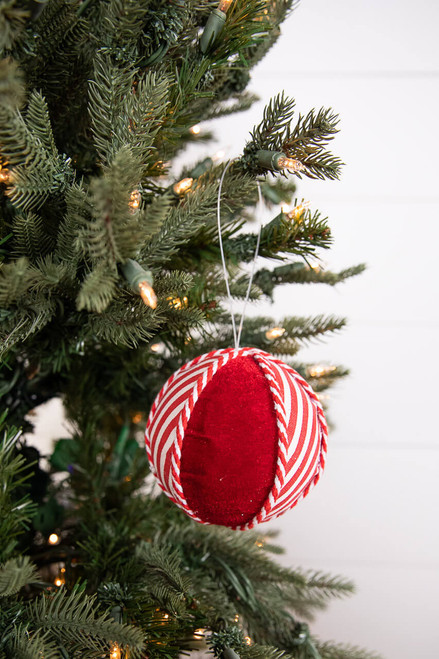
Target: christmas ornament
(236,437)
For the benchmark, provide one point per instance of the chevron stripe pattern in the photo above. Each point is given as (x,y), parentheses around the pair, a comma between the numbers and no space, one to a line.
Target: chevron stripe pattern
(302,429)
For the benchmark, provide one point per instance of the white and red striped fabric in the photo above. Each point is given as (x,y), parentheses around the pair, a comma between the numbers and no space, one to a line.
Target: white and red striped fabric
(301,425)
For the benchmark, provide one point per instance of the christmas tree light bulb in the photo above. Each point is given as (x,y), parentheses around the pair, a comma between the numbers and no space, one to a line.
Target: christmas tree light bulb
(316,267)
(223,5)
(4,174)
(135,199)
(277,160)
(195,130)
(199,633)
(291,164)
(54,539)
(275,333)
(59,581)
(248,640)
(298,211)
(219,155)
(147,294)
(183,186)
(115,652)
(316,371)
(176,302)
(140,281)
(320,370)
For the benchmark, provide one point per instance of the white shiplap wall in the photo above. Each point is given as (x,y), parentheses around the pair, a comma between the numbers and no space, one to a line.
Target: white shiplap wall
(373,516)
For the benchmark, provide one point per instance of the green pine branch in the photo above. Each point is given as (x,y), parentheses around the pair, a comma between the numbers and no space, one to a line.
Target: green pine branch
(164,577)
(307,141)
(26,644)
(20,323)
(257,651)
(17,508)
(275,125)
(152,215)
(15,281)
(77,215)
(110,234)
(146,107)
(49,276)
(27,144)
(73,620)
(108,89)
(13,18)
(338,651)
(300,273)
(304,329)
(15,574)
(113,235)
(123,22)
(38,122)
(277,12)
(278,191)
(97,289)
(12,89)
(297,332)
(324,382)
(282,236)
(49,59)
(246,26)
(329,586)
(241,103)
(30,237)
(182,223)
(127,322)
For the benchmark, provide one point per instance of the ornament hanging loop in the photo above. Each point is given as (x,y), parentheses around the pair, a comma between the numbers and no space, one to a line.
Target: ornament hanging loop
(236,333)
(223,258)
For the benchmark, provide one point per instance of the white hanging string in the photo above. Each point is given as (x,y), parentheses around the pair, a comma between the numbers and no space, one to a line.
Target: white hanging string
(236,335)
(223,258)
(250,281)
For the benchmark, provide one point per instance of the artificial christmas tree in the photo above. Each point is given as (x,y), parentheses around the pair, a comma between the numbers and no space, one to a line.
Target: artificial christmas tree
(111,279)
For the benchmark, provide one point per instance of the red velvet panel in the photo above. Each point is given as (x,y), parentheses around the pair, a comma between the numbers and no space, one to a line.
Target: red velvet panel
(230,446)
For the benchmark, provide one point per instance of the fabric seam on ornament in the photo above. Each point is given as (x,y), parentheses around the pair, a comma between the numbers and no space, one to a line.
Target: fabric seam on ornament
(157,402)
(223,356)
(264,514)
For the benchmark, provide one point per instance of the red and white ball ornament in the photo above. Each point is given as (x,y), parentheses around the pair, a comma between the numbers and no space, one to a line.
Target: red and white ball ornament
(236,437)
